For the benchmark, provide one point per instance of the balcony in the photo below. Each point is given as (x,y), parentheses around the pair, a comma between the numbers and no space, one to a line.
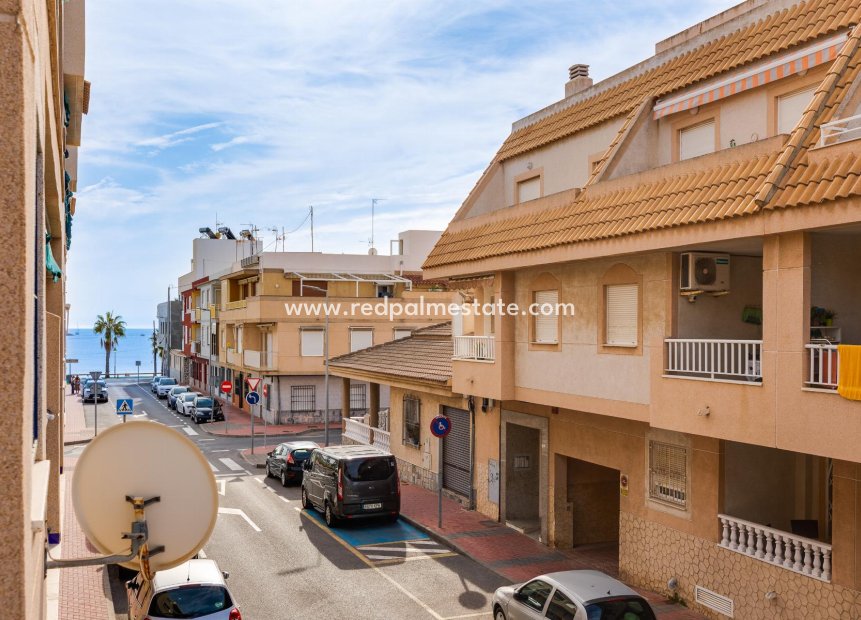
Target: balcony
(841,130)
(714,359)
(195,348)
(475,348)
(197,315)
(796,553)
(236,305)
(823,367)
(234,357)
(366,435)
(261,360)
(213,311)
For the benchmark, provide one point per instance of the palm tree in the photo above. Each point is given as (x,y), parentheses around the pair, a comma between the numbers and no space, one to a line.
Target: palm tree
(157,350)
(111,328)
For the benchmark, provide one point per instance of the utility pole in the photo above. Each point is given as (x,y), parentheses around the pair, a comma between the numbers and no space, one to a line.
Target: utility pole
(169,328)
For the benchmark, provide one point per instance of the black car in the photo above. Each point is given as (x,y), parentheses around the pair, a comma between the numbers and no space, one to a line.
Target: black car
(285,461)
(352,482)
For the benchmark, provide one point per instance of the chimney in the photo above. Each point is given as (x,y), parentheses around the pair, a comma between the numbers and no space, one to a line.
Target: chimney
(578,79)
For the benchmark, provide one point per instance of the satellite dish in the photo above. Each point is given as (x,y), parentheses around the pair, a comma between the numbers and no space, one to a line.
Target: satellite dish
(145,459)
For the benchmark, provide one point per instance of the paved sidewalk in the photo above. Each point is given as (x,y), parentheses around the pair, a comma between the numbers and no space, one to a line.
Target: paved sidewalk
(237,423)
(75,429)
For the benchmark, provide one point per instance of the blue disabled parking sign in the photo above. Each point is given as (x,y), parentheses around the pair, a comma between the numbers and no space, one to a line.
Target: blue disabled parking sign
(125,406)
(252,398)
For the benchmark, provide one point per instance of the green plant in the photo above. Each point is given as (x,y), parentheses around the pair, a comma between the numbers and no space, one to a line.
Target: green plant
(111,328)
(821,316)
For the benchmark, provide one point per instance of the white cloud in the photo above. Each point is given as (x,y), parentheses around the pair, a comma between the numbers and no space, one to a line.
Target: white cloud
(176,137)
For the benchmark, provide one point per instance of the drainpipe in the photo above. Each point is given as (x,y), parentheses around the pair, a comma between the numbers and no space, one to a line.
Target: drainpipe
(472,460)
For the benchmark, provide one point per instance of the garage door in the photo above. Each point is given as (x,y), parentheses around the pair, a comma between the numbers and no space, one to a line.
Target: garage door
(456,453)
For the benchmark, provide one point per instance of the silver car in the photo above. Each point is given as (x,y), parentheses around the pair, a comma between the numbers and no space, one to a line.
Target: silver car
(570,595)
(185,403)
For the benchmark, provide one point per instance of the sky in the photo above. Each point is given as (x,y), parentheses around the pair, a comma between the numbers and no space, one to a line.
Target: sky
(249,111)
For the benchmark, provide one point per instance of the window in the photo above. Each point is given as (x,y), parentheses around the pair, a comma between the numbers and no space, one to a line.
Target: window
(385,290)
(561,607)
(358,396)
(629,608)
(361,339)
(402,333)
(790,108)
(312,342)
(546,318)
(412,420)
(535,594)
(622,309)
(303,398)
(530,189)
(668,478)
(697,140)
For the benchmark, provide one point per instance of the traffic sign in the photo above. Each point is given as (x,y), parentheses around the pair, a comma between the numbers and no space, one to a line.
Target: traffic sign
(440,426)
(71,360)
(125,406)
(252,398)
(137,363)
(226,387)
(253,382)
(95,374)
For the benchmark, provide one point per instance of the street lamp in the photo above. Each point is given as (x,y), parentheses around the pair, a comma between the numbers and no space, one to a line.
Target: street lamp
(302,286)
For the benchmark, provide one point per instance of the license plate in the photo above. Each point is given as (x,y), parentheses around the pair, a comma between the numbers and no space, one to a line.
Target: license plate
(372,506)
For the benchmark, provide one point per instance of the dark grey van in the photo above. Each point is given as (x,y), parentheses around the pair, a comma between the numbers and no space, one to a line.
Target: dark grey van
(351,482)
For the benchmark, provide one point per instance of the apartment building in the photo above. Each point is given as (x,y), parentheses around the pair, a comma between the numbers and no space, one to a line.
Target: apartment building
(43,97)
(698,412)
(168,331)
(272,322)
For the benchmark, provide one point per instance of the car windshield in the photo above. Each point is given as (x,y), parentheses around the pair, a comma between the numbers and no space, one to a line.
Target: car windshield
(189,397)
(203,402)
(193,601)
(167,381)
(625,608)
(370,469)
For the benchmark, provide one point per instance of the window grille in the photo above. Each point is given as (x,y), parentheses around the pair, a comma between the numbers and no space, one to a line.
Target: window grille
(412,420)
(358,396)
(668,479)
(302,398)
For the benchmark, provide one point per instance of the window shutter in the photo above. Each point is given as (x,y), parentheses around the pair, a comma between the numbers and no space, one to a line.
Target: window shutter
(790,108)
(361,339)
(546,325)
(402,333)
(529,189)
(622,309)
(312,343)
(668,478)
(697,140)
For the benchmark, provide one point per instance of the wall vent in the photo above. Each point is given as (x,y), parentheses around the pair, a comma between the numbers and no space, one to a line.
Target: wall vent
(713,600)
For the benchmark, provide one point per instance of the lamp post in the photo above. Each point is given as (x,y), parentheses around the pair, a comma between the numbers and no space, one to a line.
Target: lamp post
(302,285)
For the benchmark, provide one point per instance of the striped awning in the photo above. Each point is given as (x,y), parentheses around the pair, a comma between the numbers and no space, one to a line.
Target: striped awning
(785,65)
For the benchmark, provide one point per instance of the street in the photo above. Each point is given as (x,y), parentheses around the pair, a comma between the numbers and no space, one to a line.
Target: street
(286,563)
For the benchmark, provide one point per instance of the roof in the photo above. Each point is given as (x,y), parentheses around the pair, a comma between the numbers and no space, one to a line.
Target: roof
(353,451)
(300,444)
(424,356)
(588,585)
(744,181)
(193,571)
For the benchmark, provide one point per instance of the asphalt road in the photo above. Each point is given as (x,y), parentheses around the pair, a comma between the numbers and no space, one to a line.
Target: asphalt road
(284,562)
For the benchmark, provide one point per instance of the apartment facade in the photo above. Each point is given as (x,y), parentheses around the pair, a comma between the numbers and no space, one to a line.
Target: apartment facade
(272,323)
(698,412)
(42,100)
(168,330)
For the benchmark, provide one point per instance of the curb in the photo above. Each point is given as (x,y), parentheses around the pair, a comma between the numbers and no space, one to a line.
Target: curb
(77,442)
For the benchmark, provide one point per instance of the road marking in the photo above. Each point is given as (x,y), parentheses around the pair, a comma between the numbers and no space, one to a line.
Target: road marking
(206,440)
(241,513)
(201,554)
(213,451)
(222,486)
(189,431)
(231,464)
(214,468)
(284,499)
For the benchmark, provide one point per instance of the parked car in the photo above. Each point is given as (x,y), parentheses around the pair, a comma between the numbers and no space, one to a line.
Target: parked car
(154,382)
(351,482)
(195,589)
(164,385)
(185,403)
(91,393)
(201,409)
(173,393)
(570,595)
(285,461)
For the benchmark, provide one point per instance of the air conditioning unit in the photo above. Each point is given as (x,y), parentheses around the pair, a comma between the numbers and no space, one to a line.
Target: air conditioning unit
(704,271)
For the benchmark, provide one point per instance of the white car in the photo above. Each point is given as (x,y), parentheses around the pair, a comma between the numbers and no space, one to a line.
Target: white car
(570,595)
(195,589)
(165,385)
(185,402)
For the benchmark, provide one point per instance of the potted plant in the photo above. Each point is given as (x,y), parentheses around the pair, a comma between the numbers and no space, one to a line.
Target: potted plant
(821,317)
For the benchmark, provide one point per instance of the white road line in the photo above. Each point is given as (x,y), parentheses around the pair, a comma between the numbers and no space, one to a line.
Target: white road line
(284,499)
(214,468)
(222,486)
(231,464)
(206,440)
(213,451)
(201,554)
(189,431)
(241,513)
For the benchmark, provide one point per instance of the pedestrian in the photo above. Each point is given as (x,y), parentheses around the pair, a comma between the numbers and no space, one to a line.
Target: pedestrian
(77,384)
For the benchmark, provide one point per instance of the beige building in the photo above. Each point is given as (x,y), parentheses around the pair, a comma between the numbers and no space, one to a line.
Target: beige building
(42,98)
(698,412)
(272,322)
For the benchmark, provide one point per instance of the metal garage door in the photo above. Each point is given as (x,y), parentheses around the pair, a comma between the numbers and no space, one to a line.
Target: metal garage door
(456,453)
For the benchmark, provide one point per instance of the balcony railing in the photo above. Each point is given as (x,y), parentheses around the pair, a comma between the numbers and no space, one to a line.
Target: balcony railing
(841,130)
(236,305)
(258,359)
(366,434)
(796,553)
(195,348)
(213,311)
(479,348)
(824,366)
(197,314)
(728,360)
(234,358)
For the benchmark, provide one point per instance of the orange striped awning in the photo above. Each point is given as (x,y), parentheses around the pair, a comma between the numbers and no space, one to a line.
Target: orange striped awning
(788,64)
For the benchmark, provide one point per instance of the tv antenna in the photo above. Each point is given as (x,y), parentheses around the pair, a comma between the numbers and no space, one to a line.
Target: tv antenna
(374,202)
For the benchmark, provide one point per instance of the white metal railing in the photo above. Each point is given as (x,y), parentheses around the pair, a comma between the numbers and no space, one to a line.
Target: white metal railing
(715,359)
(257,359)
(234,357)
(381,439)
(841,130)
(824,366)
(796,553)
(474,348)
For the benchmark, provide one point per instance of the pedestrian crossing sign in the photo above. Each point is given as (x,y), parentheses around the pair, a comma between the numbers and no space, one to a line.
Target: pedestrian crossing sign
(125,406)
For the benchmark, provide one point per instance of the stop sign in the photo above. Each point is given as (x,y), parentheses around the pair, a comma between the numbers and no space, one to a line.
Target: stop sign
(226,387)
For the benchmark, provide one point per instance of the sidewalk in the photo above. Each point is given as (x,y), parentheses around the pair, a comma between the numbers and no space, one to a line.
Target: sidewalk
(237,423)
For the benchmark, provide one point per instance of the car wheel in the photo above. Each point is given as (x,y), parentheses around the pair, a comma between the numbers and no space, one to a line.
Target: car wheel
(329,516)
(498,614)
(305,501)
(268,471)
(283,478)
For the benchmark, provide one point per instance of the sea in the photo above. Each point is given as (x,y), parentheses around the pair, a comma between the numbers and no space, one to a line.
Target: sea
(82,344)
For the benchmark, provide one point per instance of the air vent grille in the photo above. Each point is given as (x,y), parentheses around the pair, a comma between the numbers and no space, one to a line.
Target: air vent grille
(715,601)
